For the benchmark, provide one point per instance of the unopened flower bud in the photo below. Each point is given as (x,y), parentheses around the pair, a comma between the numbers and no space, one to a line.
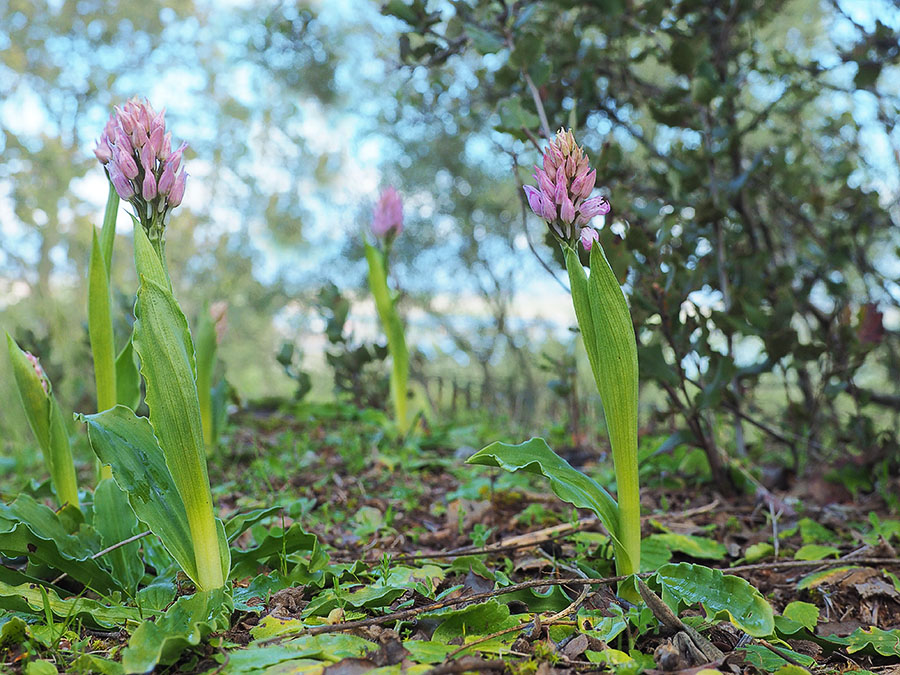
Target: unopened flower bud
(388,216)
(177,192)
(39,371)
(567,210)
(588,236)
(148,187)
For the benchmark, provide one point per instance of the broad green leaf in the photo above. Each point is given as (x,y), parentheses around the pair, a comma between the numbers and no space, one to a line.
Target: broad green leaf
(804,613)
(696,547)
(46,421)
(758,551)
(31,529)
(239,523)
(163,343)
(100,326)
(275,544)
(552,599)
(815,552)
(115,522)
(363,597)
(13,631)
(569,484)
(90,663)
(885,642)
(769,660)
(40,667)
(745,606)
(616,376)
(817,578)
(126,442)
(479,619)
(28,598)
(185,624)
(393,329)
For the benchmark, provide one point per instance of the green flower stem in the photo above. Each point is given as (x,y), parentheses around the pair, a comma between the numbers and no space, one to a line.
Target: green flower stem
(608,334)
(393,328)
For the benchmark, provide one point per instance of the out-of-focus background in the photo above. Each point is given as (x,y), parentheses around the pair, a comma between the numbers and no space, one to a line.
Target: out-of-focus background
(749,149)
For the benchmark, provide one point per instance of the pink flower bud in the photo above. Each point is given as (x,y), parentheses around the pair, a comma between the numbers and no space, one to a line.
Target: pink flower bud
(596,206)
(535,200)
(388,216)
(103,152)
(561,187)
(42,376)
(166,149)
(123,186)
(544,182)
(139,136)
(166,180)
(175,158)
(156,140)
(567,210)
(177,192)
(549,209)
(148,188)
(125,162)
(583,184)
(588,236)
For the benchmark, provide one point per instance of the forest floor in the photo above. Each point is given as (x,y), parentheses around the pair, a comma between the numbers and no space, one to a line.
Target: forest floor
(398,557)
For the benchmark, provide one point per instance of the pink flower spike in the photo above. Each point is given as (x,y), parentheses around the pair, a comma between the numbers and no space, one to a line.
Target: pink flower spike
(588,236)
(177,192)
(388,216)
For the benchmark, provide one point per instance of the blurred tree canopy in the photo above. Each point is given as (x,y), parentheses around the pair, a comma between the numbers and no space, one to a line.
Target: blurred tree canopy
(747,146)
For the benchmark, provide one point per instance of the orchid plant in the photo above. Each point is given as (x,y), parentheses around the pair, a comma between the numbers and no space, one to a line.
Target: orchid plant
(160,462)
(46,421)
(563,199)
(387,224)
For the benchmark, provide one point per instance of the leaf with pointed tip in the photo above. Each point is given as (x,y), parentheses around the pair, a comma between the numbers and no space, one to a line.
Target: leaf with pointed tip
(569,484)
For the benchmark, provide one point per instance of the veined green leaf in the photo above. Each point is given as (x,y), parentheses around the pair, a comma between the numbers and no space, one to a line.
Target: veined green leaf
(185,624)
(569,484)
(616,375)
(28,598)
(126,442)
(163,343)
(115,522)
(34,530)
(745,606)
(393,329)
(100,326)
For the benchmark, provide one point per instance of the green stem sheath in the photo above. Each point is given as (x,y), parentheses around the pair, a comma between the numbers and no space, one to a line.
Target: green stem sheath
(608,333)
